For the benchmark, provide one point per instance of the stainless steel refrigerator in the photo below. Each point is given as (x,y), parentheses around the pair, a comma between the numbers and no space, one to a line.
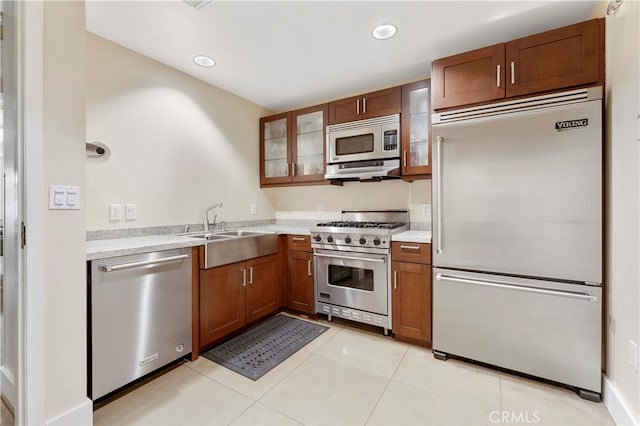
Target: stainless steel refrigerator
(517,236)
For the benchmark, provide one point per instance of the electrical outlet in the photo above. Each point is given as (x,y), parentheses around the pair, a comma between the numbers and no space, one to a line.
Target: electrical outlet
(633,354)
(254,209)
(321,208)
(130,211)
(426,209)
(115,212)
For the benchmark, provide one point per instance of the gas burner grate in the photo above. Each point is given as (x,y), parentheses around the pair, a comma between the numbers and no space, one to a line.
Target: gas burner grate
(359,224)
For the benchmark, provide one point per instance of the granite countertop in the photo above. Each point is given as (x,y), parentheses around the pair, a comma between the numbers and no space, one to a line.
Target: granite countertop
(413,236)
(101,249)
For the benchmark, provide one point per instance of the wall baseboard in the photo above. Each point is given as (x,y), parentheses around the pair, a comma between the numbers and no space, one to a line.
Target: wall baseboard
(618,408)
(80,415)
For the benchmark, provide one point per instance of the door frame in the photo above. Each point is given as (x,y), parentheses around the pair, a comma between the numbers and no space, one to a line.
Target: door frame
(24,53)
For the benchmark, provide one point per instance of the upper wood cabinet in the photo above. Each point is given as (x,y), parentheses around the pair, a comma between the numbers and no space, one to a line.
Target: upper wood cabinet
(308,143)
(416,130)
(275,149)
(467,78)
(566,57)
(292,146)
(371,105)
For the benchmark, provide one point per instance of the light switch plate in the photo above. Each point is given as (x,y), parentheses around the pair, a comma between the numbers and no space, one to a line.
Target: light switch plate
(426,209)
(254,209)
(63,197)
(115,212)
(130,211)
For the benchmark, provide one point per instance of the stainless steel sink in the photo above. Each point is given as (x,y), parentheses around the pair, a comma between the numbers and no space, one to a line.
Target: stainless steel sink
(222,248)
(240,233)
(211,237)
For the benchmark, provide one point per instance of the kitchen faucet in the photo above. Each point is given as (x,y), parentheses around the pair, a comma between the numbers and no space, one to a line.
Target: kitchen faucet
(206,215)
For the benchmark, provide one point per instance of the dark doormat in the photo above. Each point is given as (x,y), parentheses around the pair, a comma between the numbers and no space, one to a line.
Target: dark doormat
(262,347)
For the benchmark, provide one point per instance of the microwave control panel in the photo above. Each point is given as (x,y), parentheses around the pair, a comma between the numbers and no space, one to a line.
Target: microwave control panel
(390,142)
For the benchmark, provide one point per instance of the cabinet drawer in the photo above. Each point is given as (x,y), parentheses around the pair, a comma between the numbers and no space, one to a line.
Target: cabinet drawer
(411,252)
(299,242)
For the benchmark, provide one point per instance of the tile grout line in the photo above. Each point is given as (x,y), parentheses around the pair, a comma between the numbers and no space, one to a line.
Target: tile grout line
(406,351)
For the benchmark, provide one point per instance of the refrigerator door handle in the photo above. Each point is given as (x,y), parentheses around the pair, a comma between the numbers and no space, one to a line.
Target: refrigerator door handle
(517,287)
(438,179)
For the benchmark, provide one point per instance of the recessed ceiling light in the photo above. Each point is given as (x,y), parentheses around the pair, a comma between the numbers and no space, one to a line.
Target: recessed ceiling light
(383,32)
(204,61)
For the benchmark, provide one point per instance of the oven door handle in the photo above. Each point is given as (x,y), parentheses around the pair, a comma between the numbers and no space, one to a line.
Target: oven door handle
(366,259)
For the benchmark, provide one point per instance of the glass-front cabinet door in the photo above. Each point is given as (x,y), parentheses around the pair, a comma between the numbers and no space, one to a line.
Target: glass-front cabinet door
(275,153)
(308,144)
(292,146)
(416,130)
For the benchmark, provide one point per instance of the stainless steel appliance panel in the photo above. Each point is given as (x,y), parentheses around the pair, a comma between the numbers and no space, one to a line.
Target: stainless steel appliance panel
(546,329)
(352,279)
(140,316)
(371,139)
(512,194)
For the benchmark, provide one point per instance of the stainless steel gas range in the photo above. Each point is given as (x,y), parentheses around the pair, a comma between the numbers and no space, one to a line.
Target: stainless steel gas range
(353,265)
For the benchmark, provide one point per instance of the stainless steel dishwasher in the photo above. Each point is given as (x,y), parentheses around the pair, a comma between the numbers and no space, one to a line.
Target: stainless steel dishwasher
(140,316)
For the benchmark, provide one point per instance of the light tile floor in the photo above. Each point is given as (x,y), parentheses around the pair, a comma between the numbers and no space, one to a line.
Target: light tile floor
(348,376)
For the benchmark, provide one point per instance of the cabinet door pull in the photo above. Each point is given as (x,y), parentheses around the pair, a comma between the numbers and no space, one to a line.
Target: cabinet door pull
(298,239)
(404,158)
(251,275)
(244,277)
(309,267)
(513,73)
(403,247)
(395,280)
(364,105)
(498,75)
(358,107)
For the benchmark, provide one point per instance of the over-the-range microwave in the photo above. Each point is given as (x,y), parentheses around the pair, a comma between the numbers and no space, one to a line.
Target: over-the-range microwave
(364,149)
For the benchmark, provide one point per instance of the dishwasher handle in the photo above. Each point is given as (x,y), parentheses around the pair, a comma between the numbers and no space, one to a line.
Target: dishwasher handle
(159,261)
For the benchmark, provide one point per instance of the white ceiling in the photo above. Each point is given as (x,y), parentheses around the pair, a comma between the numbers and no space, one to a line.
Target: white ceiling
(288,54)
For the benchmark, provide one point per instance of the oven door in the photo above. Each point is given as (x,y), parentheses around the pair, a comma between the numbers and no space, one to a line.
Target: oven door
(353,280)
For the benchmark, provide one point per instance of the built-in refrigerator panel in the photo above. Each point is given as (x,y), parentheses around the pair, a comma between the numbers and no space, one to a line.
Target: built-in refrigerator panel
(520,192)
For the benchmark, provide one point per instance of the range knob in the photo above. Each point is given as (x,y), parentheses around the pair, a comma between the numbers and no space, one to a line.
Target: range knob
(330,239)
(362,240)
(347,240)
(317,238)
(376,241)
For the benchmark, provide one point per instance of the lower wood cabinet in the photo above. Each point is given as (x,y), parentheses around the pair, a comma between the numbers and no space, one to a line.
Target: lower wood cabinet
(300,294)
(411,298)
(234,295)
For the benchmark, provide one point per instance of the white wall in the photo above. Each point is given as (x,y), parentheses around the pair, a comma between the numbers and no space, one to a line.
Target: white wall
(622,203)
(303,202)
(178,144)
(64,274)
